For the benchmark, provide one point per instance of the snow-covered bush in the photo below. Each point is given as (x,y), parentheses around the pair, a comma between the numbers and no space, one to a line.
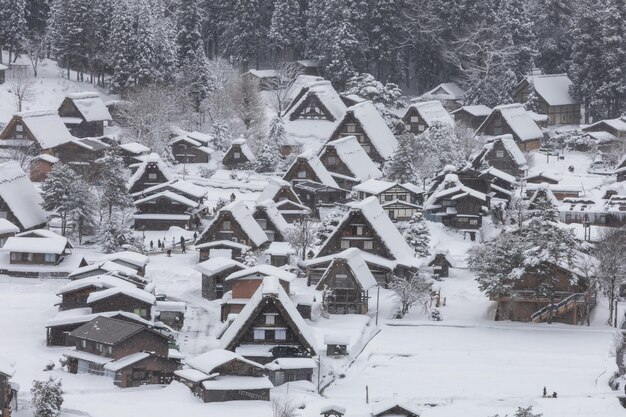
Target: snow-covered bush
(417,236)
(410,291)
(47,397)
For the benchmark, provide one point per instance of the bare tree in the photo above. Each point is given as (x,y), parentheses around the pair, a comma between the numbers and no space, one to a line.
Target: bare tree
(302,234)
(20,86)
(468,141)
(611,267)
(35,49)
(284,407)
(148,113)
(284,86)
(411,290)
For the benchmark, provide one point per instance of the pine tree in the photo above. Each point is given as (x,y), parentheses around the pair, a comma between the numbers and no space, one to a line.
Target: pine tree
(287,29)
(56,193)
(400,167)
(613,88)
(189,28)
(515,27)
(195,78)
(113,179)
(267,158)
(81,209)
(553,25)
(438,147)
(12,29)
(386,37)
(47,397)
(532,104)
(328,226)
(146,70)
(250,258)
(221,136)
(340,55)
(277,135)
(114,235)
(417,236)
(243,36)
(123,46)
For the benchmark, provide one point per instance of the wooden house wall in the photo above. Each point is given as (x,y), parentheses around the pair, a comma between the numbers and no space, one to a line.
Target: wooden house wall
(122,302)
(351,126)
(468,215)
(162,206)
(151,370)
(259,321)
(414,122)
(567,114)
(39,170)
(210,396)
(214,286)
(333,162)
(301,165)
(245,288)
(463,118)
(354,233)
(311,108)
(282,376)
(145,182)
(348,298)
(504,163)
(205,252)
(145,340)
(381,274)
(218,232)
(10,132)
(27,258)
(76,298)
(604,127)
(186,153)
(231,160)
(272,232)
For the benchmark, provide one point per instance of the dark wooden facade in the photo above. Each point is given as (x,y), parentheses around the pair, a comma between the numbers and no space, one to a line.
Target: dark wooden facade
(187,152)
(441,265)
(123,302)
(496,125)
(274,234)
(82,129)
(468,118)
(235,248)
(161,213)
(348,296)
(235,157)
(315,195)
(214,285)
(459,213)
(151,176)
(498,156)
(225,227)
(8,392)
(301,171)
(565,113)
(355,232)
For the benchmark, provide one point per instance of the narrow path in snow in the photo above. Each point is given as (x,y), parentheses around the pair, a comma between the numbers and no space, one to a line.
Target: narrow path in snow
(192,337)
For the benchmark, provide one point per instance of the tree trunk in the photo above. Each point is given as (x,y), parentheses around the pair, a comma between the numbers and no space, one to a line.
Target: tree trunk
(611,304)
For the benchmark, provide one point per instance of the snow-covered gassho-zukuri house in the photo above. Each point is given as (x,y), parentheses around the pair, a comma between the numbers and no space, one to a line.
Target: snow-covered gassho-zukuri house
(609,213)
(234,222)
(214,271)
(513,119)
(318,197)
(364,122)
(271,221)
(166,209)
(130,354)
(84,114)
(126,298)
(450,95)
(349,279)
(20,202)
(74,294)
(221,375)
(502,153)
(367,227)
(150,172)
(269,327)
(34,132)
(471,117)
(553,96)
(400,201)
(312,116)
(422,115)
(238,155)
(347,162)
(457,206)
(308,167)
(191,147)
(287,201)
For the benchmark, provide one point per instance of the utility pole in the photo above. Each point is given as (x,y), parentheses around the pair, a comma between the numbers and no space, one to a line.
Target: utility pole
(377,303)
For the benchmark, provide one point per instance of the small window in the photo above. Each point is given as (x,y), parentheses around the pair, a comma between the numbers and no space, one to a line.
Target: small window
(99,347)
(351,128)
(462,219)
(19,128)
(280,334)
(259,334)
(50,257)
(421,128)
(345,244)
(83,343)
(499,154)
(368,244)
(110,350)
(270,319)
(331,160)
(301,174)
(359,230)
(473,222)
(226,225)
(401,197)
(236,155)
(388,197)
(415,119)
(152,176)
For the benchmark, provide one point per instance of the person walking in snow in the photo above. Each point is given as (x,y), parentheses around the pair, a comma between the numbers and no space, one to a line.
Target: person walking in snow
(151,245)
(195,235)
(159,243)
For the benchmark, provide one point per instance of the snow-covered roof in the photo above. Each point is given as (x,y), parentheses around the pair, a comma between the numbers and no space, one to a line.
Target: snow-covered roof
(98,281)
(381,407)
(208,361)
(191,374)
(280,249)
(500,174)
(354,157)
(243,216)
(291,363)
(106,266)
(336,339)
(375,128)
(511,147)
(134,258)
(245,149)
(538,173)
(235,382)
(433,111)
(553,88)
(357,265)
(227,243)
(374,186)
(91,106)
(47,128)
(128,360)
(135,293)
(273,215)
(135,148)
(448,91)
(327,95)
(48,158)
(7,227)
(216,265)
(262,271)
(269,288)
(449,186)
(378,218)
(35,245)
(274,185)
(170,195)
(477,110)
(544,189)
(332,407)
(617,124)
(141,169)
(519,121)
(266,73)
(20,195)
(318,168)
(184,187)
